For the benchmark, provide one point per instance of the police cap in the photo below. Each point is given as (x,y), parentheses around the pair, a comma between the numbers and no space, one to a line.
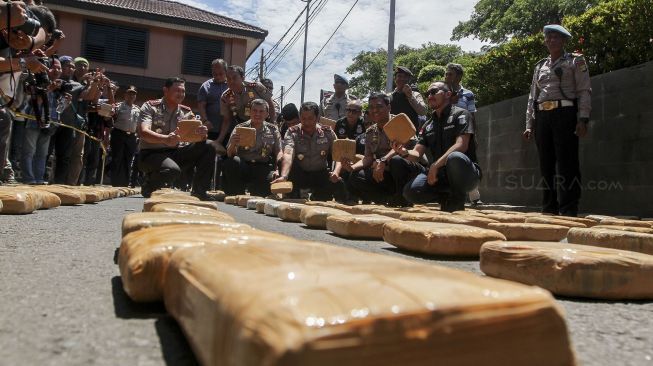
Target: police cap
(402,69)
(340,79)
(558,29)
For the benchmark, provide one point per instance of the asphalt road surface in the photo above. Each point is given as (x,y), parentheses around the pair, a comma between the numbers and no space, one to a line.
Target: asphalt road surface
(62,303)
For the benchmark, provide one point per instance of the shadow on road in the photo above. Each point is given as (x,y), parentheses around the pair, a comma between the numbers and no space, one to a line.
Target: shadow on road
(446,258)
(125,308)
(355,239)
(175,348)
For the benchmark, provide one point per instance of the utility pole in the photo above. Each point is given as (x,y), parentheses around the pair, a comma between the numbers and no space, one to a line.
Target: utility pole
(261,65)
(308,4)
(391,48)
(281,104)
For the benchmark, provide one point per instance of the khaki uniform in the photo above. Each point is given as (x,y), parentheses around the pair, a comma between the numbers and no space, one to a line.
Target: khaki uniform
(574,82)
(335,108)
(310,152)
(267,147)
(161,120)
(559,99)
(236,106)
(127,117)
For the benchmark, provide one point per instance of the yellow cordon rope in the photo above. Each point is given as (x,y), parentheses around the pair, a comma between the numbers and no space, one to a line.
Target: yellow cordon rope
(104,149)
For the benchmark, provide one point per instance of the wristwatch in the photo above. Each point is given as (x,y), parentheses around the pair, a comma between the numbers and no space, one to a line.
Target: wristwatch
(23,64)
(381,160)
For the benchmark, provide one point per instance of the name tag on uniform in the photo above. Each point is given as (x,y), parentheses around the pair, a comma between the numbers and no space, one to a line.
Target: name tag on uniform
(322,140)
(462,119)
(449,127)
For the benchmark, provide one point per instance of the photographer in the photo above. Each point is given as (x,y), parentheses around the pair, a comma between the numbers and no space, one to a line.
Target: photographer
(100,92)
(25,35)
(70,95)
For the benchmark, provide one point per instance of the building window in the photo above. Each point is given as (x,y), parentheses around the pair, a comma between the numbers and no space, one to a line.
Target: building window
(113,44)
(198,54)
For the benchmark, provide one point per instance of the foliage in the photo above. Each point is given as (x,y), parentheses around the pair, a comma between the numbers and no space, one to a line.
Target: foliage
(612,35)
(369,67)
(497,21)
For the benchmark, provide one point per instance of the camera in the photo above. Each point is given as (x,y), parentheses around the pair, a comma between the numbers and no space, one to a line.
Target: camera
(39,80)
(57,34)
(31,25)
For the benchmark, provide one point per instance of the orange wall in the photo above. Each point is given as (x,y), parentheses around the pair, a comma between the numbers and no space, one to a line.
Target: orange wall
(164,54)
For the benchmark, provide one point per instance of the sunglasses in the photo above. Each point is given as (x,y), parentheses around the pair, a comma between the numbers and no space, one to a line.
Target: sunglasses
(352,110)
(435,91)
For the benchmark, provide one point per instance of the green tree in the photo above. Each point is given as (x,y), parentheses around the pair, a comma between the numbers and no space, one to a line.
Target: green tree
(497,21)
(369,70)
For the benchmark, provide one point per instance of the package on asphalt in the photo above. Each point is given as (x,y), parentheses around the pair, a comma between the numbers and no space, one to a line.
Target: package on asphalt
(183,208)
(571,269)
(369,226)
(15,201)
(144,254)
(147,205)
(316,216)
(625,228)
(343,149)
(67,196)
(271,207)
(609,238)
(400,129)
(554,221)
(247,137)
(251,204)
(624,222)
(141,220)
(243,199)
(506,217)
(444,217)
(290,211)
(231,200)
(438,238)
(188,130)
(284,303)
(530,231)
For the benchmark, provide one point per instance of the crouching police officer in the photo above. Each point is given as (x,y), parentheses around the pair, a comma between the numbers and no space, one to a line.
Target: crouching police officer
(449,135)
(307,148)
(253,167)
(162,154)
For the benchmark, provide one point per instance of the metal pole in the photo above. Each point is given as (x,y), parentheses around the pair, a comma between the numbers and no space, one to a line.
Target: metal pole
(260,67)
(391,48)
(281,104)
(308,3)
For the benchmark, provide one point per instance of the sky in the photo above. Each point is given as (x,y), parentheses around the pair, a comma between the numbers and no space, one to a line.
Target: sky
(365,29)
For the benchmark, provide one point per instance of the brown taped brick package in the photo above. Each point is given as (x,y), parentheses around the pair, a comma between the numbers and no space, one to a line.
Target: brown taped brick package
(144,254)
(316,216)
(554,221)
(18,201)
(625,228)
(290,211)
(622,222)
(481,222)
(530,231)
(231,200)
(147,205)
(438,238)
(243,199)
(616,239)
(399,129)
(188,130)
(66,195)
(281,187)
(328,122)
(506,217)
(247,137)
(571,269)
(141,220)
(358,226)
(183,208)
(291,304)
(343,149)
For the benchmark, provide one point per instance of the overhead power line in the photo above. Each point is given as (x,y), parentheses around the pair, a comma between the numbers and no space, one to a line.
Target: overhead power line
(321,49)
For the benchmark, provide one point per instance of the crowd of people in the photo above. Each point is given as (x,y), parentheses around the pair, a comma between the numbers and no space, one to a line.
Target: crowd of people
(63,112)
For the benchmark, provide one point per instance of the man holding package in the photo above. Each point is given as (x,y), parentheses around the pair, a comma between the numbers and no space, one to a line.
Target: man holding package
(253,167)
(163,152)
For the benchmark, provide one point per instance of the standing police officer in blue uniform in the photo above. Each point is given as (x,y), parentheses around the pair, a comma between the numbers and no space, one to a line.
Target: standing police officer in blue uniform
(558,111)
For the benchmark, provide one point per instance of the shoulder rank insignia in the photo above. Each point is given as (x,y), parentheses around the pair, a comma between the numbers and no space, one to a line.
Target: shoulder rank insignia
(579,61)
(154,102)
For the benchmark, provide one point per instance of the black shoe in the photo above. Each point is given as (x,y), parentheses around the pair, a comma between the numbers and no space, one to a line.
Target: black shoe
(146,191)
(398,201)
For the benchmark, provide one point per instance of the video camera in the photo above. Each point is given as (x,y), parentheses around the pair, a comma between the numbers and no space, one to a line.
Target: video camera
(40,80)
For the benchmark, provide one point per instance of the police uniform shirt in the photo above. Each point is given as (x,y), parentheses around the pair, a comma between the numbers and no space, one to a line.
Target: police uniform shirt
(126,117)
(310,152)
(335,108)
(161,120)
(267,146)
(377,144)
(237,105)
(439,134)
(466,99)
(574,82)
(344,131)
